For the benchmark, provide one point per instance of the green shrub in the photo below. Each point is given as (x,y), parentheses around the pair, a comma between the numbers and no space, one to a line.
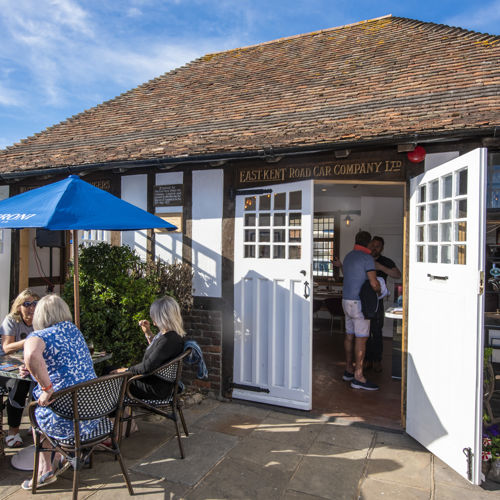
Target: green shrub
(116,291)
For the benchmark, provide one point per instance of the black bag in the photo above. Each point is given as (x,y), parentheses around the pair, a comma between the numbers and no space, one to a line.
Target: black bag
(369,300)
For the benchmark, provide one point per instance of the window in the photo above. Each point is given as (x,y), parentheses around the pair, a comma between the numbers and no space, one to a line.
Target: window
(323,244)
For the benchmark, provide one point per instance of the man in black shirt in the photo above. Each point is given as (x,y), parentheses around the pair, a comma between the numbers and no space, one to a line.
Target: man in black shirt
(385,267)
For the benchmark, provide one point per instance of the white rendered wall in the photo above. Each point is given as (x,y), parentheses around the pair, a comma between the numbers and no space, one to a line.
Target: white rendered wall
(135,190)
(207,232)
(4,262)
(169,245)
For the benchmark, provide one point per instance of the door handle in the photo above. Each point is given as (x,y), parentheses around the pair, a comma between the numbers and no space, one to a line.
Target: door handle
(306,290)
(434,277)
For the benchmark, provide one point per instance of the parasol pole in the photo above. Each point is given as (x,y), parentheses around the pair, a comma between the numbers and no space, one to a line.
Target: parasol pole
(76,278)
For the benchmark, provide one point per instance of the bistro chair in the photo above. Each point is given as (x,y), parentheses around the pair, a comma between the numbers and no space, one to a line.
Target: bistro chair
(97,398)
(334,306)
(169,407)
(4,394)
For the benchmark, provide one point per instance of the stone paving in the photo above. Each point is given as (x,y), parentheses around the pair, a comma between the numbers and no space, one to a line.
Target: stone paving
(236,450)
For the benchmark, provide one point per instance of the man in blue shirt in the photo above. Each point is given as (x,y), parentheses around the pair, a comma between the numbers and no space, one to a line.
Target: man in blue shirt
(358,266)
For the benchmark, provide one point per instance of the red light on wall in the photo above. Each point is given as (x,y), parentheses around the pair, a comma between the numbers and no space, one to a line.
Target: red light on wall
(417,155)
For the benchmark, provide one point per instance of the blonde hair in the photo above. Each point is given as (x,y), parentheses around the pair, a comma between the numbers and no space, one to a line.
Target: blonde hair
(50,310)
(166,313)
(25,294)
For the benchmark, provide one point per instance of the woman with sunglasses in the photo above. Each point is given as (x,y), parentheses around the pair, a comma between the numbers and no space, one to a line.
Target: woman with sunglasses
(16,326)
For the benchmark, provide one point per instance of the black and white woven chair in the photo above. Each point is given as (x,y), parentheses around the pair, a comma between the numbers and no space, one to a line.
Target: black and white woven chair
(4,394)
(97,398)
(170,407)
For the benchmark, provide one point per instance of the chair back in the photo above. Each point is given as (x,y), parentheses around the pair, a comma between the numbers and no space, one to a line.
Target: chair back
(91,399)
(171,371)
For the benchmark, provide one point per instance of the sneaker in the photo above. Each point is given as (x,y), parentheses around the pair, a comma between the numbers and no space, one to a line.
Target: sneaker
(348,376)
(367,386)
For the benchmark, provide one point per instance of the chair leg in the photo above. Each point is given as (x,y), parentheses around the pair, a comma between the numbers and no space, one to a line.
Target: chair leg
(124,471)
(35,463)
(178,436)
(76,476)
(129,421)
(184,426)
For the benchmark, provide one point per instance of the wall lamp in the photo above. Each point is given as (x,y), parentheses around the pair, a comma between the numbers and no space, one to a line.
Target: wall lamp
(347,220)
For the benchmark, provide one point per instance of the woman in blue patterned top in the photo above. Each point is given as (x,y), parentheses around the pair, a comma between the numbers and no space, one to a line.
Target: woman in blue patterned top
(57,357)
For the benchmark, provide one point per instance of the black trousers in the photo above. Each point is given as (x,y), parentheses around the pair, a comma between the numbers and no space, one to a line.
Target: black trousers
(375,343)
(18,392)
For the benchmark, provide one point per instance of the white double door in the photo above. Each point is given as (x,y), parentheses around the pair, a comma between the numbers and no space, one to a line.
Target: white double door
(272,297)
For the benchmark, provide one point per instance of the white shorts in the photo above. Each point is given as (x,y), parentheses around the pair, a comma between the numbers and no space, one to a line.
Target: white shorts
(355,322)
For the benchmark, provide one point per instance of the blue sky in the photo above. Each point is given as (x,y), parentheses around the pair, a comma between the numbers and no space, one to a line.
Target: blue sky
(60,57)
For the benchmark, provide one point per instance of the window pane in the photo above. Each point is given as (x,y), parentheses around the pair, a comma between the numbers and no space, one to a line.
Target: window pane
(279,235)
(420,253)
(433,212)
(250,203)
(446,232)
(279,219)
(432,253)
(421,233)
(460,254)
(294,252)
(434,189)
(461,231)
(249,234)
(279,252)
(264,219)
(264,251)
(461,209)
(249,251)
(294,219)
(280,201)
(421,214)
(462,182)
(433,232)
(446,210)
(295,200)
(446,254)
(294,235)
(250,219)
(265,202)
(265,235)
(447,186)
(421,197)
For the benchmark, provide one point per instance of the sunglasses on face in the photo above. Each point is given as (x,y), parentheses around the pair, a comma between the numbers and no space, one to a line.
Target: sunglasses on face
(29,304)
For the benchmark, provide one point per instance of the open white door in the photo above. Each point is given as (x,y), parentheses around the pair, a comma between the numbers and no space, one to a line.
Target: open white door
(272,302)
(445,315)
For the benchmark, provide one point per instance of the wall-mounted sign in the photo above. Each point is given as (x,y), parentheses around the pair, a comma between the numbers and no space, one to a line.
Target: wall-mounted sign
(168,195)
(173,218)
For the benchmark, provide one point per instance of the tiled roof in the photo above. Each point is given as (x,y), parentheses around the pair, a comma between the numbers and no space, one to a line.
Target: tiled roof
(387,77)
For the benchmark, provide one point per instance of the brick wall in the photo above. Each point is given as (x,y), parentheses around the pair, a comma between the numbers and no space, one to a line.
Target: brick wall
(205,327)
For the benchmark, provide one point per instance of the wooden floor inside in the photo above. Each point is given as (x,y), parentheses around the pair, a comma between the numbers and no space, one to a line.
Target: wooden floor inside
(334,397)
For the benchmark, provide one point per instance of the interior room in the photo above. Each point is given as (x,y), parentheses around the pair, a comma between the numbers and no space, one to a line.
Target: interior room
(340,211)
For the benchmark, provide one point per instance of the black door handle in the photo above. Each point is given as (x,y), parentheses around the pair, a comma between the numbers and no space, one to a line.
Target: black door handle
(434,277)
(306,290)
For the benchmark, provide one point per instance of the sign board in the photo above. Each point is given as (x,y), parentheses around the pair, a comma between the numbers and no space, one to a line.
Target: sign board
(173,218)
(168,195)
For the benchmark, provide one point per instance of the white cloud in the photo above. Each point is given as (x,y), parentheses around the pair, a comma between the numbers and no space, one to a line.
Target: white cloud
(9,97)
(483,17)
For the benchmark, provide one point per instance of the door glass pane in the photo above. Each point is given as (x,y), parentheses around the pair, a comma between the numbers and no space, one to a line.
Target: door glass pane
(249,251)
(461,209)
(432,253)
(265,202)
(265,235)
(249,234)
(447,186)
(250,203)
(420,233)
(434,189)
(294,252)
(446,254)
(461,231)
(421,214)
(294,235)
(433,212)
(295,200)
(446,232)
(280,201)
(264,251)
(462,182)
(420,253)
(279,252)
(294,219)
(433,232)
(279,219)
(279,235)
(264,219)
(421,193)
(460,254)
(250,219)
(446,210)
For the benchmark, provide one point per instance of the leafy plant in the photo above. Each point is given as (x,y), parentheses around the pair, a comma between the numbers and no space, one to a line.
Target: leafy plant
(491,443)
(116,291)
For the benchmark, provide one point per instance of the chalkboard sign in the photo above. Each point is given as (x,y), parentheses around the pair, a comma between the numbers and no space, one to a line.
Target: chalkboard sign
(169,195)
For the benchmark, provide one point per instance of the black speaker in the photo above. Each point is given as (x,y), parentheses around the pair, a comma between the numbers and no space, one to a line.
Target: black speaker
(47,238)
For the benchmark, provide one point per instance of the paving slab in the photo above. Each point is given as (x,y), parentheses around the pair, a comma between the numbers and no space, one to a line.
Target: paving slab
(444,491)
(329,472)
(352,437)
(203,450)
(372,489)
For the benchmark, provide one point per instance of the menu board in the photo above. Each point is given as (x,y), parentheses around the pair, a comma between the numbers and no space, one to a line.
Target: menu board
(168,195)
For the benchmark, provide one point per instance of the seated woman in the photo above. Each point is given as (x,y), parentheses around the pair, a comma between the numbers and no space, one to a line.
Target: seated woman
(16,326)
(57,357)
(163,347)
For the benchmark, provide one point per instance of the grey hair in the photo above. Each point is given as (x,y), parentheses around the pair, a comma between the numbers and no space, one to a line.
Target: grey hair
(166,314)
(50,310)
(25,294)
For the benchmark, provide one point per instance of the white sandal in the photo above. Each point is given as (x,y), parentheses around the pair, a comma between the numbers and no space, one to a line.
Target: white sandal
(14,440)
(43,480)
